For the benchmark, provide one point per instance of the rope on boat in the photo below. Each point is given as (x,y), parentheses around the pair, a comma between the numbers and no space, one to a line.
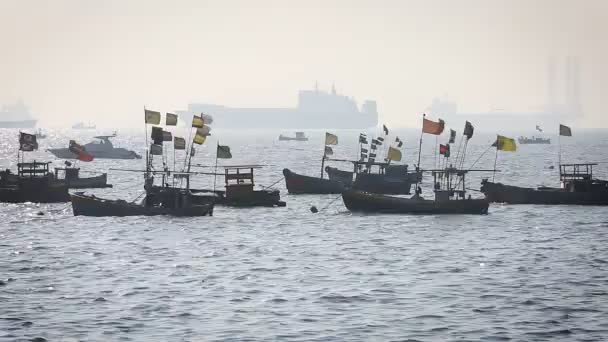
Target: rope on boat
(138,197)
(61,209)
(269,186)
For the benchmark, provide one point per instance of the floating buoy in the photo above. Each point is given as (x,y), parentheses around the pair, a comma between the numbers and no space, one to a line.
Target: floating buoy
(314,209)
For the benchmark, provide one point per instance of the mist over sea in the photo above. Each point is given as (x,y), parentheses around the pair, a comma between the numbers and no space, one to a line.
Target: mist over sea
(521,273)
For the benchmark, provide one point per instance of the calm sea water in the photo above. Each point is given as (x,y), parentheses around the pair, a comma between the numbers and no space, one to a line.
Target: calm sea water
(521,273)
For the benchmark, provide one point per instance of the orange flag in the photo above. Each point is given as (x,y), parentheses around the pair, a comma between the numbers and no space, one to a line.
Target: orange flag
(432,127)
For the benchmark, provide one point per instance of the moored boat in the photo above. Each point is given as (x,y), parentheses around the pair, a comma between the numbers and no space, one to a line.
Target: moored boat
(448,199)
(376,177)
(170,201)
(33,183)
(240,190)
(359,201)
(578,188)
(102,147)
(301,184)
(73,180)
(299,137)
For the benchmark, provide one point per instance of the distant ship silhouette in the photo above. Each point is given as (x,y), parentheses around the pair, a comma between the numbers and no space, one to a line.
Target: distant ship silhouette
(316,109)
(16,116)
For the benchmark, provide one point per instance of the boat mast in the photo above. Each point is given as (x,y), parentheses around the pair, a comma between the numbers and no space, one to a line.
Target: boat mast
(323,159)
(420,146)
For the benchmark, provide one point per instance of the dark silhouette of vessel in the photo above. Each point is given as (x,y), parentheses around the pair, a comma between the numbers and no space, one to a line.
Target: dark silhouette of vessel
(316,109)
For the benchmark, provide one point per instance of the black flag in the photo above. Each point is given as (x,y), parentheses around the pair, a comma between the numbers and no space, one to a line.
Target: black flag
(468,130)
(27,142)
(452,136)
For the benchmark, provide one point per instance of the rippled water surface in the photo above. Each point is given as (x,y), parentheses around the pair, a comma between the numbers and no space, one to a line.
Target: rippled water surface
(521,273)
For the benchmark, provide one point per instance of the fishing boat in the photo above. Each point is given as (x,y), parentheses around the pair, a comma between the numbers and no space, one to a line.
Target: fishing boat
(102,148)
(578,187)
(163,199)
(301,184)
(448,199)
(376,177)
(299,137)
(240,190)
(71,177)
(33,183)
(533,141)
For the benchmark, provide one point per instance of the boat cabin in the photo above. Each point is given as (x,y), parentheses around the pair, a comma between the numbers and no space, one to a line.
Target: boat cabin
(71,173)
(33,169)
(449,183)
(577,177)
(239,180)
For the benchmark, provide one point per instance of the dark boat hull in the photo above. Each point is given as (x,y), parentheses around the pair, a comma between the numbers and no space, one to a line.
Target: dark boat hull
(375,183)
(35,192)
(117,153)
(500,193)
(85,205)
(299,184)
(100,181)
(358,201)
(259,198)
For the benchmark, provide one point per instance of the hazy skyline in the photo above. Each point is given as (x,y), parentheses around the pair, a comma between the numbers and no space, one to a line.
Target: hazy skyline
(102,61)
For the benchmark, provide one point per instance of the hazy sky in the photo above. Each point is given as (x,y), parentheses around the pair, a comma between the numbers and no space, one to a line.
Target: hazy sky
(103,61)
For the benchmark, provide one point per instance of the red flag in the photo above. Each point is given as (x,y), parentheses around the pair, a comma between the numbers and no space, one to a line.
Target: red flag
(432,127)
(80,152)
(444,150)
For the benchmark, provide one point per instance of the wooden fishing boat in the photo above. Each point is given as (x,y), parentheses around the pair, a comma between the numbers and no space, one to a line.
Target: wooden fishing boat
(359,201)
(71,177)
(163,199)
(240,190)
(300,184)
(448,200)
(169,201)
(33,183)
(376,177)
(578,188)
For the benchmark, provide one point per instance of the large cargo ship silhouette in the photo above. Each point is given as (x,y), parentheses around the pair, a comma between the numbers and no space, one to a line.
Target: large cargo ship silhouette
(316,109)
(16,116)
(563,105)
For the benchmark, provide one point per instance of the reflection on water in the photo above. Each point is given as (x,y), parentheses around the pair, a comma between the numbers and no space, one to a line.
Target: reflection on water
(527,273)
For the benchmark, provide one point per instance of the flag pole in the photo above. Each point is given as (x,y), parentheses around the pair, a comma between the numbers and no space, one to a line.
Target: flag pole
(215,169)
(495,159)
(323,160)
(420,146)
(147,146)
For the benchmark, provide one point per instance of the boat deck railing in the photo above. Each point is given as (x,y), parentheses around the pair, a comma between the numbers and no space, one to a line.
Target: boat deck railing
(583,171)
(32,169)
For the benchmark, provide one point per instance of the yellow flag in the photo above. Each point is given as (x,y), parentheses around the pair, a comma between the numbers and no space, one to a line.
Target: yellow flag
(152,117)
(393,154)
(199,139)
(331,139)
(505,144)
(198,122)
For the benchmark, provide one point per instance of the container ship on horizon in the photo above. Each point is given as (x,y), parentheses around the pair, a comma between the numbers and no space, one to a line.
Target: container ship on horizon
(16,116)
(316,109)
